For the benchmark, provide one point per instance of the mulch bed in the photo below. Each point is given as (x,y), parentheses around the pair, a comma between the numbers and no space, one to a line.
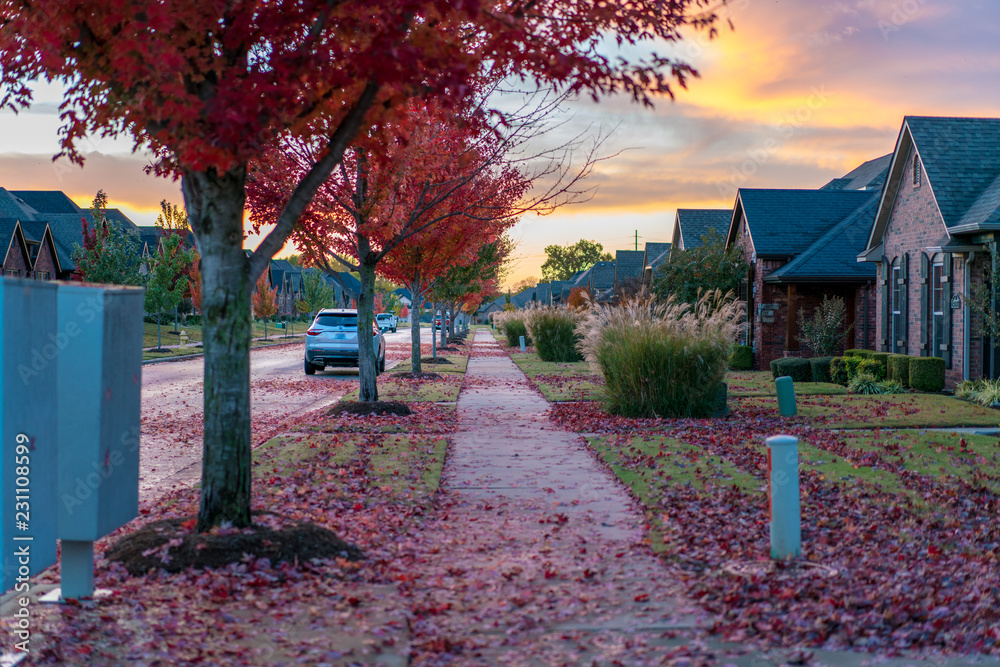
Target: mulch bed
(370,408)
(435,360)
(172,544)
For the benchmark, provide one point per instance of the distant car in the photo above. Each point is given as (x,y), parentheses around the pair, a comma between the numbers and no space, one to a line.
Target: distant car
(437,321)
(332,340)
(386,321)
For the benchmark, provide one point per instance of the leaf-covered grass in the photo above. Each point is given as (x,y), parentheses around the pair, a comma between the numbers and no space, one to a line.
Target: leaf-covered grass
(193,331)
(947,456)
(531,365)
(876,411)
(392,388)
(560,388)
(459,363)
(427,418)
(401,465)
(761,383)
(650,466)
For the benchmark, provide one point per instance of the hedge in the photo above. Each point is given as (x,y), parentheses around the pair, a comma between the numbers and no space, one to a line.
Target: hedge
(838,370)
(800,370)
(742,358)
(873,367)
(820,367)
(927,373)
(898,366)
(852,364)
(856,352)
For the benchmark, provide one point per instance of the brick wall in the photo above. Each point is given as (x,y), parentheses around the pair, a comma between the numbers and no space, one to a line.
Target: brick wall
(16,260)
(45,262)
(914,225)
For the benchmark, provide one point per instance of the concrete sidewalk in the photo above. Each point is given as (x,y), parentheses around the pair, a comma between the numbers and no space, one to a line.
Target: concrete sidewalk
(543,559)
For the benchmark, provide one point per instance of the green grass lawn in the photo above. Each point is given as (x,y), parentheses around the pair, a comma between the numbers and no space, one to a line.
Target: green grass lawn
(531,365)
(878,411)
(402,465)
(194,332)
(761,383)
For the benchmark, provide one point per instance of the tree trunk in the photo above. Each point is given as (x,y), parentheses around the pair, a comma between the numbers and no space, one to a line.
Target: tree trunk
(159,336)
(415,300)
(444,325)
(367,364)
(215,206)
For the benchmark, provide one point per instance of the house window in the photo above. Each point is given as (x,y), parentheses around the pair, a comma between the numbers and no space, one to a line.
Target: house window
(13,273)
(897,300)
(916,172)
(937,307)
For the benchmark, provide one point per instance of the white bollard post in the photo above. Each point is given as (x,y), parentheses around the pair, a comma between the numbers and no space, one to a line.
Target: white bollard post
(522,343)
(783,496)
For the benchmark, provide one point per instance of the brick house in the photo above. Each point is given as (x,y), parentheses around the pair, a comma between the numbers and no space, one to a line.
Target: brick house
(41,250)
(16,259)
(933,236)
(802,246)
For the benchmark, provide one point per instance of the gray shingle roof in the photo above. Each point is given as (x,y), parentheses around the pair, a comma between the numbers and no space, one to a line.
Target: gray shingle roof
(602,276)
(961,157)
(49,201)
(869,175)
(655,254)
(7,227)
(694,223)
(785,223)
(522,298)
(833,256)
(628,264)
(12,207)
(543,293)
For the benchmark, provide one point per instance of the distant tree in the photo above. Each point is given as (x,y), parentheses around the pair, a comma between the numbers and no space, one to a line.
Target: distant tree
(523,284)
(316,294)
(264,300)
(194,282)
(404,312)
(172,218)
(710,266)
(110,251)
(167,279)
(295,260)
(564,261)
(579,297)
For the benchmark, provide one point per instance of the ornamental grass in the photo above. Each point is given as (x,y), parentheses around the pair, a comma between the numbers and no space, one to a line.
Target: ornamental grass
(511,323)
(553,330)
(662,359)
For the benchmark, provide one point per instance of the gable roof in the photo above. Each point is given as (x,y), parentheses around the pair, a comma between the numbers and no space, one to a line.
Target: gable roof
(12,207)
(48,201)
(785,223)
(543,293)
(39,232)
(628,264)
(11,234)
(960,158)
(833,256)
(655,254)
(869,175)
(602,276)
(691,224)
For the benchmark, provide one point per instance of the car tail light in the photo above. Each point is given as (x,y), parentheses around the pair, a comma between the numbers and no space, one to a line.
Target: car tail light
(314,332)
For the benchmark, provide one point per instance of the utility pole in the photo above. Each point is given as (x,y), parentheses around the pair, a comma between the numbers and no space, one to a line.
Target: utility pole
(637,239)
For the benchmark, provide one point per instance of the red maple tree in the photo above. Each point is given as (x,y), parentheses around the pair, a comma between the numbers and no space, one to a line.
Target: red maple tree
(208,87)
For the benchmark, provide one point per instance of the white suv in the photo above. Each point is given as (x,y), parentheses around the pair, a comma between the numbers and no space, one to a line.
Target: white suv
(386,321)
(332,340)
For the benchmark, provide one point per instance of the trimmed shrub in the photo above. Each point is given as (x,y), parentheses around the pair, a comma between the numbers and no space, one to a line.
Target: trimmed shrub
(883,359)
(838,370)
(662,359)
(820,367)
(898,366)
(553,329)
(855,352)
(852,364)
(927,373)
(741,358)
(774,369)
(800,370)
(872,367)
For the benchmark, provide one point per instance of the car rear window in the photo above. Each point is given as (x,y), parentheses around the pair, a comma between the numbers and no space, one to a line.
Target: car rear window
(337,321)
(383,317)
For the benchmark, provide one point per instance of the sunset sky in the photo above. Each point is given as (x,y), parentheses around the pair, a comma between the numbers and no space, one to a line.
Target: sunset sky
(800,92)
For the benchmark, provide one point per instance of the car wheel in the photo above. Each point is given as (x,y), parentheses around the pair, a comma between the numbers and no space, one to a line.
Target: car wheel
(310,369)
(381,364)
